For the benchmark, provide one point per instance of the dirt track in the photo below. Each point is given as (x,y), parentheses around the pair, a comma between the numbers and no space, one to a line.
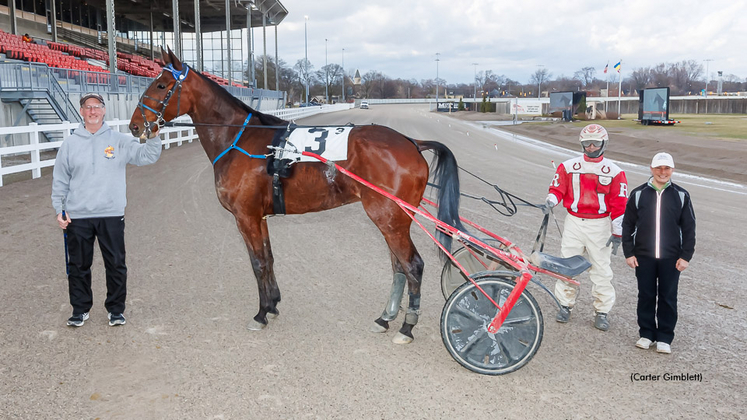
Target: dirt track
(185,351)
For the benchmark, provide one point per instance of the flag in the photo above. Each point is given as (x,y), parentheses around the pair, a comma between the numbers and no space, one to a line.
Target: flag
(605,68)
(617,66)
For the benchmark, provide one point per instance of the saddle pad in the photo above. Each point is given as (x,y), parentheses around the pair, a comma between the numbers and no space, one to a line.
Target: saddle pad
(329,142)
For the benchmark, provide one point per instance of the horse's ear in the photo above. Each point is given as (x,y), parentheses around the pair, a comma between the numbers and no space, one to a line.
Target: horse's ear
(165,57)
(175,60)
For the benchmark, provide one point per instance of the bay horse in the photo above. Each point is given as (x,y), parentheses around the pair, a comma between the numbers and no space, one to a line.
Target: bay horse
(378,154)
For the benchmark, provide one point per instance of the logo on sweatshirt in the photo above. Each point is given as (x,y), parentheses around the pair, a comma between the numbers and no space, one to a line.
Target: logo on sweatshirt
(109,152)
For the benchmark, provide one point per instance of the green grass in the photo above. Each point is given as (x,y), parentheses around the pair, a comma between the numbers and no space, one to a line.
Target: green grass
(721,126)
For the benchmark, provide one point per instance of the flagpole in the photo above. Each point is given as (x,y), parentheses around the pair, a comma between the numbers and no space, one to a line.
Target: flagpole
(619,89)
(606,70)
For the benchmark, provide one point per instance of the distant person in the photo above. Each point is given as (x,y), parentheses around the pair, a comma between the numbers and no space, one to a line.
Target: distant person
(658,242)
(27,38)
(89,186)
(594,190)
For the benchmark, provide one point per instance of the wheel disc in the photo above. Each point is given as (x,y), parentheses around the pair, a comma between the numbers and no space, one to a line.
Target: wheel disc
(468,313)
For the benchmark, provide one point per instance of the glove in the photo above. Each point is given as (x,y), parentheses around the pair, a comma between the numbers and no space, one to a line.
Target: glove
(615,241)
(547,207)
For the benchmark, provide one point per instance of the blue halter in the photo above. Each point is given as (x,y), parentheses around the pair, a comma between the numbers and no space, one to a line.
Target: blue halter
(234,146)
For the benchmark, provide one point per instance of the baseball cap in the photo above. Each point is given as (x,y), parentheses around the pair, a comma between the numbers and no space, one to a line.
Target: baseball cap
(88,96)
(662,159)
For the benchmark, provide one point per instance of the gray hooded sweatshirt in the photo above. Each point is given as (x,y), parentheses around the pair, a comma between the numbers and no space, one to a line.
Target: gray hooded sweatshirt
(89,173)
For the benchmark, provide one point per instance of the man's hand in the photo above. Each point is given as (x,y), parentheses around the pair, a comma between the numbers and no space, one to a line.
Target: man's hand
(682,264)
(547,207)
(615,241)
(63,221)
(632,261)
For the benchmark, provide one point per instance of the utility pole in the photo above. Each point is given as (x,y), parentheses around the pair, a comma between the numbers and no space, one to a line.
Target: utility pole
(708,78)
(474,95)
(306,57)
(343,75)
(326,73)
(437,60)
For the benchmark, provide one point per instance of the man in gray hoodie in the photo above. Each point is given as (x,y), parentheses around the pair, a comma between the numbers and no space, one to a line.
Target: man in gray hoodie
(89,197)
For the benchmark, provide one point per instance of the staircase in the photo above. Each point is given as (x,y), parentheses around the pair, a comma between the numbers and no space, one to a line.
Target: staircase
(36,89)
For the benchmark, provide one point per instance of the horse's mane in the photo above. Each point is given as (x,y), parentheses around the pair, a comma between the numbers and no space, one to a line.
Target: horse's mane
(265,119)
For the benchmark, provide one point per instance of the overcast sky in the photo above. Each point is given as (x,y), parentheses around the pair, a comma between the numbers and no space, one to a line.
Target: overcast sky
(401,38)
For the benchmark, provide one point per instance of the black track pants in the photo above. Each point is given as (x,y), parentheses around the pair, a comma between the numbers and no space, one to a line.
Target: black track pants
(80,237)
(657,298)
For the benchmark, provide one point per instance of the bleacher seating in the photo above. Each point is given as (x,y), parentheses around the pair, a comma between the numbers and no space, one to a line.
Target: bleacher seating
(68,56)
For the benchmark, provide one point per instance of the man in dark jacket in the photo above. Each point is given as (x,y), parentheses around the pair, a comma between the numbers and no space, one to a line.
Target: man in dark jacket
(658,238)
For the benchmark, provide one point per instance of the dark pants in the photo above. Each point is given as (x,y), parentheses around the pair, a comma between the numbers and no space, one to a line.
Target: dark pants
(657,278)
(80,237)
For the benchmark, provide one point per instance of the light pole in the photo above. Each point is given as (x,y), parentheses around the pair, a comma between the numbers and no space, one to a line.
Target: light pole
(437,60)
(306,58)
(326,73)
(343,75)
(708,78)
(539,80)
(474,95)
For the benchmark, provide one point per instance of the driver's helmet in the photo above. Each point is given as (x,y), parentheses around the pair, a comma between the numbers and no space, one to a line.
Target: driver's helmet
(594,134)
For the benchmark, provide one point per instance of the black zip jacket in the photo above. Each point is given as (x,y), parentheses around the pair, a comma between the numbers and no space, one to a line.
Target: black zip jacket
(659,224)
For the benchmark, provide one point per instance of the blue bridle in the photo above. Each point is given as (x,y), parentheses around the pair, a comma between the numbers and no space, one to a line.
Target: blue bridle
(179,76)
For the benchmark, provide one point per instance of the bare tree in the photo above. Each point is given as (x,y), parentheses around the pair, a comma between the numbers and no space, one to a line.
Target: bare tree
(585,75)
(540,77)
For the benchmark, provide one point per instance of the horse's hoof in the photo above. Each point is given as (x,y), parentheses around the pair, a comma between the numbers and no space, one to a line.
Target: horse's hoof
(401,339)
(273,315)
(378,328)
(255,326)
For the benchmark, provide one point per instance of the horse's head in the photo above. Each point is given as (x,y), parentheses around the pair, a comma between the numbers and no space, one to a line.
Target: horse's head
(162,101)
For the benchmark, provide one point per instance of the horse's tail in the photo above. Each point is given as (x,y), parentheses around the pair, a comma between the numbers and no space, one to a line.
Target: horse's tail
(446,180)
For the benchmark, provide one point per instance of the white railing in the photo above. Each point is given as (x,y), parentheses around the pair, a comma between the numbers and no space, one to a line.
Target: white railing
(169,136)
(297,113)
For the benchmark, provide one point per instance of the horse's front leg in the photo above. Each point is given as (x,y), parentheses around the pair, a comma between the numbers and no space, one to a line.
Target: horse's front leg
(260,255)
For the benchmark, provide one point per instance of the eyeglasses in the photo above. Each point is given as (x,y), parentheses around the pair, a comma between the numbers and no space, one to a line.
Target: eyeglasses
(595,143)
(92,107)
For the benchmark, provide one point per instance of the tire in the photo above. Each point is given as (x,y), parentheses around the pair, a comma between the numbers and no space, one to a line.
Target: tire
(467,314)
(452,277)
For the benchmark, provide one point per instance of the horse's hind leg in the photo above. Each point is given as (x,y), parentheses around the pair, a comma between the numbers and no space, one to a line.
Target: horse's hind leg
(395,298)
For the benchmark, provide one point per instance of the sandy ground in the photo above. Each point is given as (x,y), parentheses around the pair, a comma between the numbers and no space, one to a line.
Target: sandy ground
(185,352)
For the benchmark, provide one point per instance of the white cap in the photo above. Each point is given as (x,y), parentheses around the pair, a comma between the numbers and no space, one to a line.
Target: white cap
(662,159)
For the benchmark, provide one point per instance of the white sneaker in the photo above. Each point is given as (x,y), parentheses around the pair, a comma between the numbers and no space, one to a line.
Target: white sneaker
(643,343)
(663,348)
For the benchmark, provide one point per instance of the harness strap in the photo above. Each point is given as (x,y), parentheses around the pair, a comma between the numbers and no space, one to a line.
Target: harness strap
(234,146)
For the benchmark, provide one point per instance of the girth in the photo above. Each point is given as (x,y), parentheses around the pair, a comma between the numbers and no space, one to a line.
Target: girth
(279,168)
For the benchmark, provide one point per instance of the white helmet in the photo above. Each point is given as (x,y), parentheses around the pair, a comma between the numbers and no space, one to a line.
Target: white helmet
(594,133)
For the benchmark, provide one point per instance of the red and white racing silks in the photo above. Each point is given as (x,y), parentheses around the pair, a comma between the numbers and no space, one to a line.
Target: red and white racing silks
(591,188)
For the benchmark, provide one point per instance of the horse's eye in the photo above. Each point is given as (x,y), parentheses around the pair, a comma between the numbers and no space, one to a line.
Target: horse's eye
(160,86)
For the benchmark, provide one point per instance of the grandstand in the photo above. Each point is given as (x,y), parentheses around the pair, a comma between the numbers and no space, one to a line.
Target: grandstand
(41,81)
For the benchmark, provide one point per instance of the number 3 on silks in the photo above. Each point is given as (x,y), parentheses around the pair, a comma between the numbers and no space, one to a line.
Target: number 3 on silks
(321,139)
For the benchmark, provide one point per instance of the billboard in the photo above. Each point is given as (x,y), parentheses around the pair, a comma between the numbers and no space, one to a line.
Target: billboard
(653,104)
(560,101)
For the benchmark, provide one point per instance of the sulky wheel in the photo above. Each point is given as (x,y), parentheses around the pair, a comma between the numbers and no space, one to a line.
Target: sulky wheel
(464,327)
(451,277)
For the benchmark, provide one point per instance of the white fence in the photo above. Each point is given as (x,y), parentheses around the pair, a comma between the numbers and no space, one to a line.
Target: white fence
(169,136)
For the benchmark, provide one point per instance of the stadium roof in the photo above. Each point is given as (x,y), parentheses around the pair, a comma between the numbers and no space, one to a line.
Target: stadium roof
(212,13)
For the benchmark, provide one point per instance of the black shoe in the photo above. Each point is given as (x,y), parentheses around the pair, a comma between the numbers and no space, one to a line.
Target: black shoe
(564,314)
(116,319)
(77,320)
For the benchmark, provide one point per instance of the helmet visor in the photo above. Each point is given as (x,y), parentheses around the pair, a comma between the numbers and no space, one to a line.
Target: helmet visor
(595,143)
